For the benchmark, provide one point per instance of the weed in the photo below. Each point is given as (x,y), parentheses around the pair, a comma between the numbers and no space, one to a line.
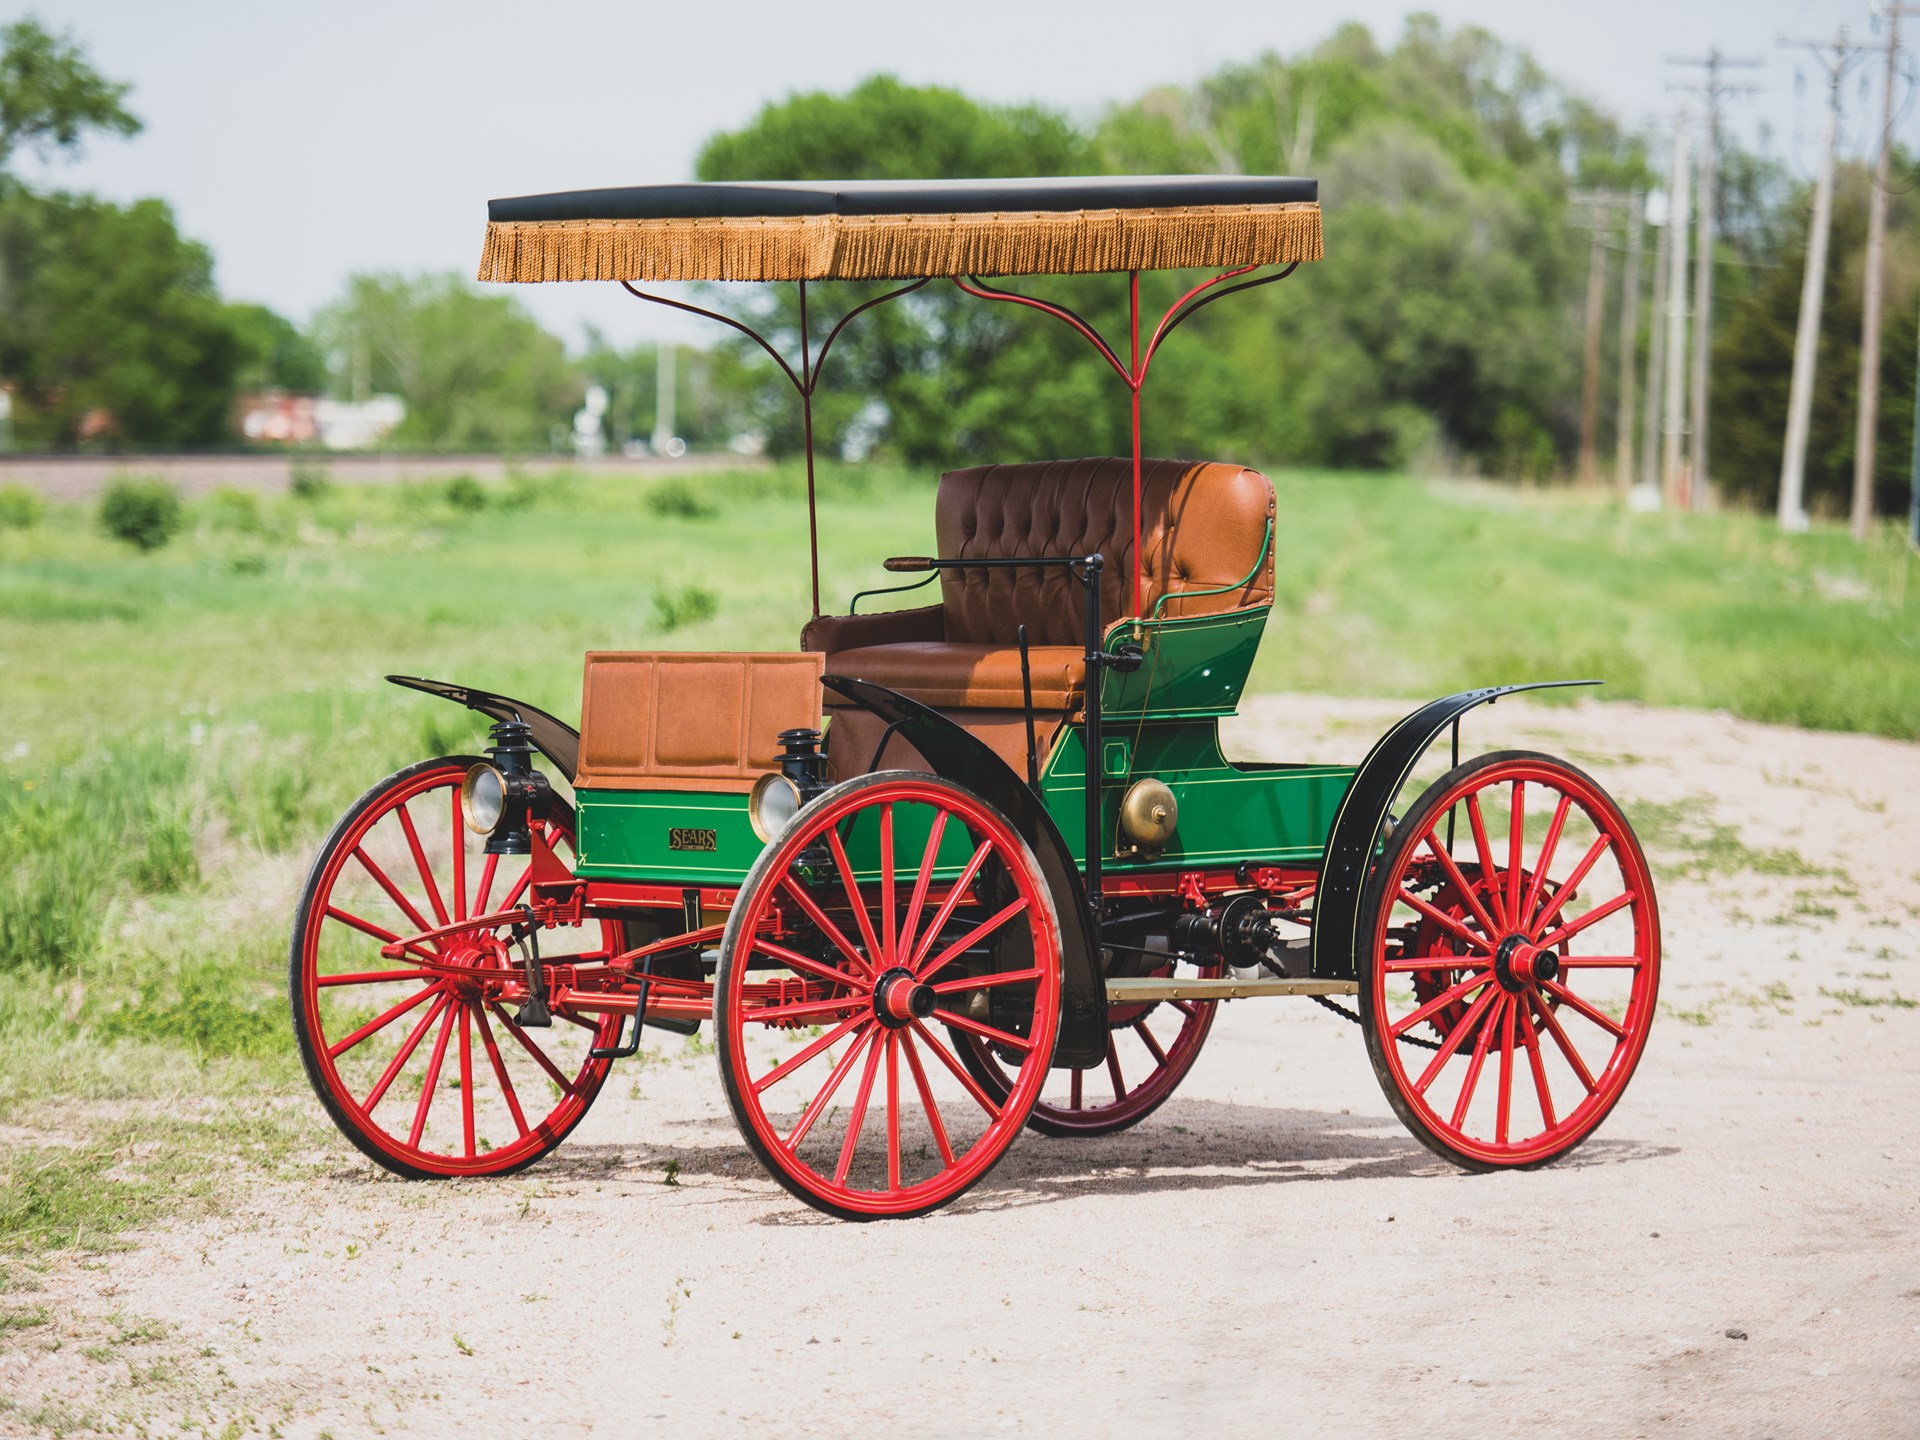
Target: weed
(466,493)
(684,605)
(167,864)
(681,499)
(1861,998)
(1709,847)
(20,508)
(310,480)
(236,510)
(65,835)
(673,1172)
(214,1007)
(11,1320)
(144,513)
(462,1346)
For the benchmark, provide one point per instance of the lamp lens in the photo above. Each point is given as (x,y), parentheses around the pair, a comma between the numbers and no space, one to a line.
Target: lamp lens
(483,798)
(775,803)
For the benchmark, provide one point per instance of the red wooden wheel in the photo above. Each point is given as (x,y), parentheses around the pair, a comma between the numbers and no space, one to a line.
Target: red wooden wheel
(840,990)
(1150,1048)
(418,1061)
(1528,962)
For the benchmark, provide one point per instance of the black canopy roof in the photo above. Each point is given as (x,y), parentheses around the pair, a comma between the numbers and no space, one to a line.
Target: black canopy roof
(734,200)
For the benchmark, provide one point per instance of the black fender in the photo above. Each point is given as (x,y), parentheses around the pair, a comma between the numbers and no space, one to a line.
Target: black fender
(1355,835)
(552,737)
(955,755)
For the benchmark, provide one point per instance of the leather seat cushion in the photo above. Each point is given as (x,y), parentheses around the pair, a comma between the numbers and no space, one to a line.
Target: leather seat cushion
(950,675)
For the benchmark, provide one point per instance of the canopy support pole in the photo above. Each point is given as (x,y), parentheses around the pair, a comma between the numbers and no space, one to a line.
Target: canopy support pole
(806,424)
(1132,371)
(803,381)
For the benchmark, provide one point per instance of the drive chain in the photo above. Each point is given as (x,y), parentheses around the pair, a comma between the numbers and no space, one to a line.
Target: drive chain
(1337,1008)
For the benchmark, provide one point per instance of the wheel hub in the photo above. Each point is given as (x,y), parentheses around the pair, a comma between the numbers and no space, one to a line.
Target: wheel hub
(480,958)
(899,999)
(1519,963)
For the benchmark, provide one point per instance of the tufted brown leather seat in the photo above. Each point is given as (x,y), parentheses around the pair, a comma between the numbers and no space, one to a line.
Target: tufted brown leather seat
(1202,526)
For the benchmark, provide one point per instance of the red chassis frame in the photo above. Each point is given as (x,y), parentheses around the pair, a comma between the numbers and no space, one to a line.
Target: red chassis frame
(603,983)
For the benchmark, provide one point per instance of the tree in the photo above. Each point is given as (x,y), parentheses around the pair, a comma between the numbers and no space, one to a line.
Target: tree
(273,354)
(50,96)
(108,317)
(1443,319)
(941,378)
(111,324)
(476,371)
(1753,350)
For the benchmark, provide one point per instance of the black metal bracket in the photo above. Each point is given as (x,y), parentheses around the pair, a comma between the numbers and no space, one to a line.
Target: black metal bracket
(1354,839)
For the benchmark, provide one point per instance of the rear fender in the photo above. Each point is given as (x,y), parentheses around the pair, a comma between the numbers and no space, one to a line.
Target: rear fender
(955,755)
(1355,836)
(552,737)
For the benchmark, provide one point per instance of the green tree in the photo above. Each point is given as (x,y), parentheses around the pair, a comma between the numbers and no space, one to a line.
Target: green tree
(936,377)
(274,354)
(1439,322)
(476,371)
(1753,350)
(51,96)
(111,315)
(106,313)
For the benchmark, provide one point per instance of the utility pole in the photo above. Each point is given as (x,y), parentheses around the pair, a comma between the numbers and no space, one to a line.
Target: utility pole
(1656,363)
(1867,432)
(665,383)
(1629,345)
(1712,90)
(1837,59)
(1678,205)
(1913,473)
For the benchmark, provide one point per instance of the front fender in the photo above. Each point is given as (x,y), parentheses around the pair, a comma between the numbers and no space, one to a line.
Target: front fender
(958,756)
(1356,825)
(552,737)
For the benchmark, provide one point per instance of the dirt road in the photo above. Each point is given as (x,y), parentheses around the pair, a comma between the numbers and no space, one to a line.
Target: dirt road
(1736,1253)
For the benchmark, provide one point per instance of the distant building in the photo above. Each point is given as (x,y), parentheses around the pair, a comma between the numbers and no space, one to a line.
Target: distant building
(358,424)
(278,417)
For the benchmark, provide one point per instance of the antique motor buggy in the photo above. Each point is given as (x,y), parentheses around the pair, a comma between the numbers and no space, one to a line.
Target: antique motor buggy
(956,869)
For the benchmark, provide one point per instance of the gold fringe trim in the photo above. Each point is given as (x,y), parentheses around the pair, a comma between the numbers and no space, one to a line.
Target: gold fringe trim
(902,247)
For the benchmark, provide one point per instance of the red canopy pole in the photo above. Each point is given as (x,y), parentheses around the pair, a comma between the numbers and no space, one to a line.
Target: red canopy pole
(1135,380)
(806,419)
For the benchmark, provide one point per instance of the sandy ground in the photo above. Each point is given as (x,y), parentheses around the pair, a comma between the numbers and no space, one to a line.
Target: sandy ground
(1736,1253)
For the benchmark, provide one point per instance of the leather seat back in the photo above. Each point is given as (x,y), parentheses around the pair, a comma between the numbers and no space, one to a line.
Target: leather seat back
(1202,525)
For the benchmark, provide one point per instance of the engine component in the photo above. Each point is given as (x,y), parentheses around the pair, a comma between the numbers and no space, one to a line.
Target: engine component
(1148,814)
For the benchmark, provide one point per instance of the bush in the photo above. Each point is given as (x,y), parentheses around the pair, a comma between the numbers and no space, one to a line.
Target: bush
(466,493)
(144,513)
(310,480)
(239,510)
(681,500)
(685,605)
(20,508)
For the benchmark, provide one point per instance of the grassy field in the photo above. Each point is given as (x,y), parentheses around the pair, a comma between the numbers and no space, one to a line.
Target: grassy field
(177,728)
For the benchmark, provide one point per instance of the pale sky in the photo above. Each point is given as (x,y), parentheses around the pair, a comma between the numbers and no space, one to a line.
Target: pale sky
(304,142)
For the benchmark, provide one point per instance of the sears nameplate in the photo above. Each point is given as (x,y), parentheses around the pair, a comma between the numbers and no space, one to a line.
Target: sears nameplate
(688,839)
